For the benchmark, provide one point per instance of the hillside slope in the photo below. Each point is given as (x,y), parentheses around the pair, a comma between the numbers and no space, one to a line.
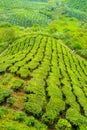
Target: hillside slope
(24,13)
(78,4)
(77,9)
(43,86)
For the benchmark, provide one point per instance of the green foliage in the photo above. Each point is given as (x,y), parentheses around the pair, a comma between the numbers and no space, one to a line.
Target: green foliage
(31,121)
(27,13)
(82,16)
(72,32)
(3,111)
(3,68)
(63,124)
(10,125)
(83,127)
(7,34)
(54,85)
(75,117)
(40,0)
(23,72)
(83,52)
(54,107)
(35,86)
(11,100)
(78,4)
(6,78)
(19,116)
(17,84)
(4,25)
(33,104)
(4,94)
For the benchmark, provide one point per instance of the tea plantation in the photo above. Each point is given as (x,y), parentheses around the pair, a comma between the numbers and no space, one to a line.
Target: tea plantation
(43,65)
(43,86)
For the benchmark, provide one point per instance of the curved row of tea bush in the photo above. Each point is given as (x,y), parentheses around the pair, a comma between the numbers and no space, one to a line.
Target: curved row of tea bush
(52,80)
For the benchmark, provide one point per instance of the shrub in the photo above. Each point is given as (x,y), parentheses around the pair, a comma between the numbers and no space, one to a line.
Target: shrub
(75,117)
(13,69)
(24,73)
(11,127)
(4,93)
(6,79)
(34,104)
(33,108)
(31,121)
(63,124)
(36,86)
(83,127)
(11,100)
(77,46)
(19,116)
(17,84)
(53,89)
(8,126)
(83,52)
(3,111)
(54,107)
(2,68)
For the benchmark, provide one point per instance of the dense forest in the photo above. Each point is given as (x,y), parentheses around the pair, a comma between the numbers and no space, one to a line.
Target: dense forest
(43,65)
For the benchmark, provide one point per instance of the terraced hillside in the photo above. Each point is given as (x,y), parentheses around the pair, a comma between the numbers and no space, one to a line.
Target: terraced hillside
(77,9)
(24,13)
(43,86)
(78,4)
(26,18)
